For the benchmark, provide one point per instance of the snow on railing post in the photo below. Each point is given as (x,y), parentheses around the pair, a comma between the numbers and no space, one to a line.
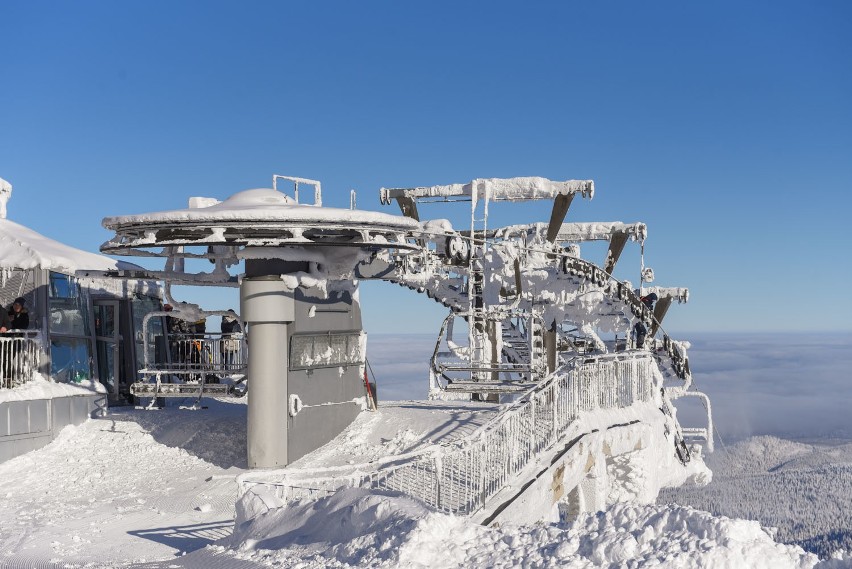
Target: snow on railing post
(532,422)
(483,468)
(438,467)
(636,381)
(554,431)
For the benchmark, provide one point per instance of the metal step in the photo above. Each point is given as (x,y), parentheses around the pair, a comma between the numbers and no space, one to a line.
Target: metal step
(141,389)
(488,387)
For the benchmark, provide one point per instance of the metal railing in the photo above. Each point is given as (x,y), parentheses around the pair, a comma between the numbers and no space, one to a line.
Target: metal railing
(460,477)
(19,357)
(212,353)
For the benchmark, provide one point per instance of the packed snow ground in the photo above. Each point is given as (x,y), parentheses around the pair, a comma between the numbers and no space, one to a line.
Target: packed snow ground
(131,486)
(156,489)
(400,427)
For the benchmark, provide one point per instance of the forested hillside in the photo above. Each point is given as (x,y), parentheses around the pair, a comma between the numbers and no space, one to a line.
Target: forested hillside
(802,489)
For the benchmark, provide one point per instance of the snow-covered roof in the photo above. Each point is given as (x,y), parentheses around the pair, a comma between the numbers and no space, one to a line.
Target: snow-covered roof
(254,218)
(260,205)
(23,248)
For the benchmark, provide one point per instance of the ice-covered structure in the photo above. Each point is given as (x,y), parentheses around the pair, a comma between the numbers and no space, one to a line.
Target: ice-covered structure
(83,344)
(298,296)
(568,369)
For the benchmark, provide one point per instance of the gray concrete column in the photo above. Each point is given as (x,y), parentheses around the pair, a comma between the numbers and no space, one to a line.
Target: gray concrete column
(550,347)
(267,306)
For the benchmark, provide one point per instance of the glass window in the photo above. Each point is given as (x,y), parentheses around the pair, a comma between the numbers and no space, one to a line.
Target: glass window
(68,313)
(309,351)
(63,286)
(70,359)
(105,320)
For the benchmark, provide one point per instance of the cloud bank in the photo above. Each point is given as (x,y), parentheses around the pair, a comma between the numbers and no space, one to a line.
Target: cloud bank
(787,385)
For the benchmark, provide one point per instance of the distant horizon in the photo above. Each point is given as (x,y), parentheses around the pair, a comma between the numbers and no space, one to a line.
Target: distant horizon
(684,332)
(775,384)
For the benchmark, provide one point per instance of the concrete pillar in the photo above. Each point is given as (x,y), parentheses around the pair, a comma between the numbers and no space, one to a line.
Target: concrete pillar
(267,306)
(495,356)
(550,347)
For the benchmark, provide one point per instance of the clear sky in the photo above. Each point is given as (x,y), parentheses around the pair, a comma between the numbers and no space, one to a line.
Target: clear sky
(725,126)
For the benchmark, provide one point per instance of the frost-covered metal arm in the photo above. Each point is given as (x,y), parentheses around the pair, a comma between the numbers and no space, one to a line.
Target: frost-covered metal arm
(511,189)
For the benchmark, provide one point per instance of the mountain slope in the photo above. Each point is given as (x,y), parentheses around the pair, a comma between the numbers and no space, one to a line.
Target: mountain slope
(802,489)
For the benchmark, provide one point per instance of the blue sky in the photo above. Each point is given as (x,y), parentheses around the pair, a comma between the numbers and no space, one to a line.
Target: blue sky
(727,127)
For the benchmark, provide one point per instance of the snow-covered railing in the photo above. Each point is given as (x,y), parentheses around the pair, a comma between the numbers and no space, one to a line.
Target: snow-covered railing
(201,365)
(211,353)
(462,476)
(19,357)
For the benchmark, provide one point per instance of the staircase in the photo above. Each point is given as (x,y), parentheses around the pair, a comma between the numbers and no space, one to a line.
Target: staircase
(470,476)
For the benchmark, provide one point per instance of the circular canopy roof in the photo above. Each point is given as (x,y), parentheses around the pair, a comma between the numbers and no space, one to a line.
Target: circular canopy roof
(255,218)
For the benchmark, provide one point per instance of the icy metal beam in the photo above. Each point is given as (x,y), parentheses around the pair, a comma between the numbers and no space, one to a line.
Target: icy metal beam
(408,207)
(680,294)
(601,231)
(575,232)
(665,297)
(613,253)
(177,278)
(508,189)
(557,215)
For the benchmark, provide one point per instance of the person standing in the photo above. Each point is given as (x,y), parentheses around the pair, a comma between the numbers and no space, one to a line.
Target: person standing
(178,330)
(16,318)
(640,330)
(231,330)
(19,317)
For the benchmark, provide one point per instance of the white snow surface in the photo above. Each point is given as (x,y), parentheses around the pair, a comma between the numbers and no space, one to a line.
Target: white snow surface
(41,388)
(354,528)
(23,248)
(141,488)
(5,194)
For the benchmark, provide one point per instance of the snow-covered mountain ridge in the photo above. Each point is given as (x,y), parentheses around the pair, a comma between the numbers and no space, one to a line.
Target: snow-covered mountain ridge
(804,489)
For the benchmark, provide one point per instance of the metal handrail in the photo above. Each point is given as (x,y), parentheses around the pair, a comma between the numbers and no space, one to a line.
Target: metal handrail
(460,477)
(20,357)
(212,352)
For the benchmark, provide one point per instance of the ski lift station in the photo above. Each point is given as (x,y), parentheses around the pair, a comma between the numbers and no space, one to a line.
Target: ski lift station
(83,343)
(567,373)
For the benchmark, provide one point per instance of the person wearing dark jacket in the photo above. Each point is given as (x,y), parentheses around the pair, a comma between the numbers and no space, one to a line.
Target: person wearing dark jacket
(17,318)
(18,315)
(230,343)
(178,337)
(640,330)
